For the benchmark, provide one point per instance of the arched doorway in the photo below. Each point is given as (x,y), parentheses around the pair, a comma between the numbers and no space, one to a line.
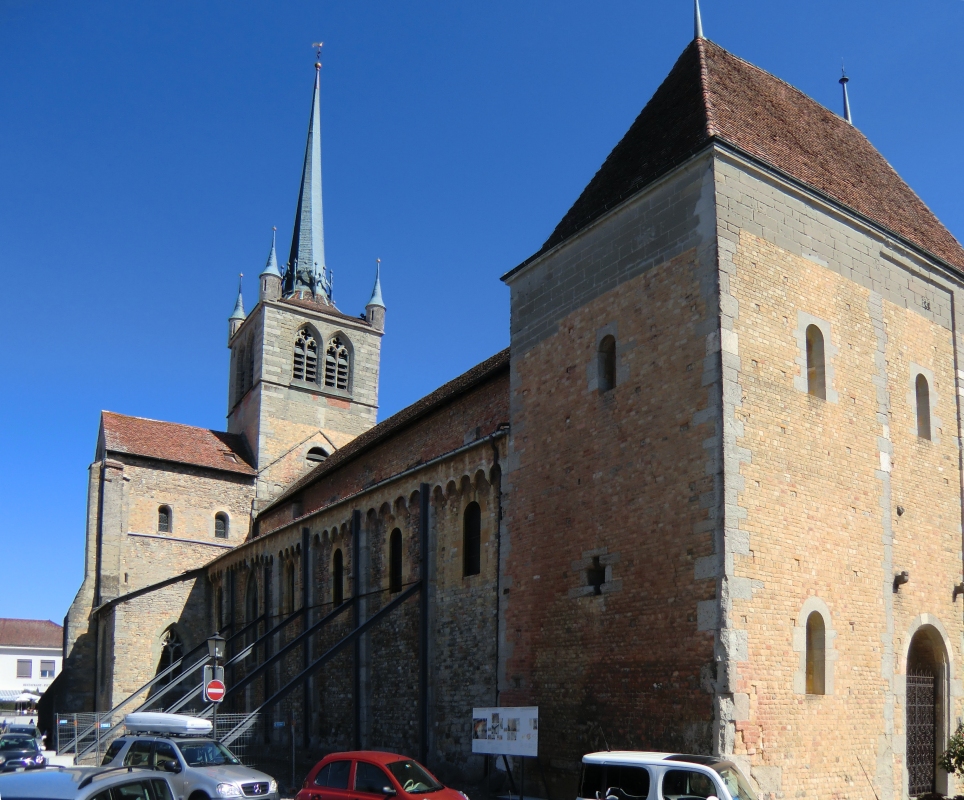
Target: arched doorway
(924,705)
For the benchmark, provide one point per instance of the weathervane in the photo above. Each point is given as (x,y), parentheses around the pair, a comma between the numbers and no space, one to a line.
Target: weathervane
(318,46)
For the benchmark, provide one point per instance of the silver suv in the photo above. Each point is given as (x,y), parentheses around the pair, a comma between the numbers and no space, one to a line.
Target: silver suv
(86,783)
(198,768)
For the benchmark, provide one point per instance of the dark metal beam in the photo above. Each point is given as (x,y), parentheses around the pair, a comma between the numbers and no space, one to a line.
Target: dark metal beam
(356,592)
(423,533)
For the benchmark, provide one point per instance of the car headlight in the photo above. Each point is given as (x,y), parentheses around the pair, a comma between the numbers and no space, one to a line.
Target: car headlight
(3,759)
(40,760)
(228,790)
(273,786)
(464,795)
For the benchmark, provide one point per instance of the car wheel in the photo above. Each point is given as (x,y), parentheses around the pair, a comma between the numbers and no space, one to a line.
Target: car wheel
(199,796)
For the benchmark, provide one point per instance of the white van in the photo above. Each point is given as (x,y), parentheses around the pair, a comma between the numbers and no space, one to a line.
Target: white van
(638,775)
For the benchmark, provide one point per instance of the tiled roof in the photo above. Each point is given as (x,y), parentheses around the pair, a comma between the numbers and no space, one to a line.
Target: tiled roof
(31,633)
(170,441)
(467,380)
(710,95)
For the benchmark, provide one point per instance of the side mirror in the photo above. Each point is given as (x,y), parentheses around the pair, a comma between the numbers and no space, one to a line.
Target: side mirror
(388,791)
(168,765)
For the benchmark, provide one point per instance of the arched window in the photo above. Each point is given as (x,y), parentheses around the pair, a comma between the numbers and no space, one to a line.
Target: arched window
(816,363)
(607,363)
(816,654)
(172,648)
(221,526)
(316,455)
(165,520)
(218,608)
(306,356)
(337,364)
(288,596)
(923,407)
(472,540)
(337,579)
(395,561)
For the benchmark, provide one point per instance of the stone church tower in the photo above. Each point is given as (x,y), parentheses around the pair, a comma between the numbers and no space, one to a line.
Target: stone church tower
(304,376)
(164,499)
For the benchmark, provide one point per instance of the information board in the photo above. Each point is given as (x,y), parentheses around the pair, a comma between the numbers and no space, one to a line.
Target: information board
(506,731)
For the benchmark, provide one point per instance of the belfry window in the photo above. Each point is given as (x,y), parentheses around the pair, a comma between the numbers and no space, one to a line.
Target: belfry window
(607,363)
(337,364)
(816,363)
(306,357)
(395,561)
(923,392)
(472,540)
(221,526)
(165,520)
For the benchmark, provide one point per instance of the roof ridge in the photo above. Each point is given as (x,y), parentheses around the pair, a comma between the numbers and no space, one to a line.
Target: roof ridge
(712,130)
(167,422)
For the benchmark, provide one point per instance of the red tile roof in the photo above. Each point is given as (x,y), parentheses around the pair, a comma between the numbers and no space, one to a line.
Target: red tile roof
(31,633)
(170,441)
(710,95)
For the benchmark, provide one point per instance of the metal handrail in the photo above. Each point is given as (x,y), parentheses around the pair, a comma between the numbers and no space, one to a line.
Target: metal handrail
(291,685)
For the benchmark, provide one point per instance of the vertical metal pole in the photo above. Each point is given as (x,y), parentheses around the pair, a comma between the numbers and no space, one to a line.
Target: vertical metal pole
(232,610)
(423,526)
(292,749)
(306,647)
(267,648)
(97,718)
(356,615)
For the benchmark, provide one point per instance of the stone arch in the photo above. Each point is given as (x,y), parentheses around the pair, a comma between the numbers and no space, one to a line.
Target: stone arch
(480,481)
(465,485)
(814,605)
(928,703)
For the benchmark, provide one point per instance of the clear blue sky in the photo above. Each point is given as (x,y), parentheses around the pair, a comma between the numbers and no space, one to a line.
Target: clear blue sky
(146,149)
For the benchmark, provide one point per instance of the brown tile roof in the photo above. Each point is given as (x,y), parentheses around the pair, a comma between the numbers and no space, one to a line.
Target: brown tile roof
(467,380)
(170,441)
(710,95)
(31,633)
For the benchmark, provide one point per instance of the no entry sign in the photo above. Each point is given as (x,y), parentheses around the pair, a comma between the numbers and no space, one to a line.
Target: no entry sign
(214,691)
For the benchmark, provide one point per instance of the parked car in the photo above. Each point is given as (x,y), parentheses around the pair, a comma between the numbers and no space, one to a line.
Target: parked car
(85,783)
(30,730)
(20,751)
(197,767)
(635,775)
(366,775)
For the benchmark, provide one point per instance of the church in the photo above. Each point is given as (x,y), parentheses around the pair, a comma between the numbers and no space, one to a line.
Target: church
(709,500)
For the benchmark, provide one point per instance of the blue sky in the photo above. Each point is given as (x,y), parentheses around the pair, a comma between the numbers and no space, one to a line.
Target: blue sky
(146,149)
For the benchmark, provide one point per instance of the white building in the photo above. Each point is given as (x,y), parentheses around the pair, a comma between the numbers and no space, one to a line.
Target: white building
(31,655)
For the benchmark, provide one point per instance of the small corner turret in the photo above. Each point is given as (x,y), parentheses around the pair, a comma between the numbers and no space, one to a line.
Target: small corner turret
(238,315)
(270,277)
(375,309)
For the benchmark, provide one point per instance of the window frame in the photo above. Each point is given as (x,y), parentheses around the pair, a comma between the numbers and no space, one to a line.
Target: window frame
(226,531)
(52,669)
(606,363)
(813,605)
(21,662)
(801,381)
(343,352)
(166,510)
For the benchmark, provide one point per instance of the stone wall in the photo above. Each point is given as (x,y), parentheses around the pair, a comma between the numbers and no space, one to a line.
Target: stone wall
(613,496)
(833,497)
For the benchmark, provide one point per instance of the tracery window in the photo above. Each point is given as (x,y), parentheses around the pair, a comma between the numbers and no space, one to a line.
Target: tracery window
(337,364)
(306,356)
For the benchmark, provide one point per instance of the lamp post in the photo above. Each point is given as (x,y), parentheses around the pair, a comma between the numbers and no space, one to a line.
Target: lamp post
(216,645)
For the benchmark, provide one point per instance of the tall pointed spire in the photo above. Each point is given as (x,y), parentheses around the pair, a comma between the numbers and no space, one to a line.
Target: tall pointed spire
(271,268)
(697,20)
(377,290)
(238,315)
(844,80)
(306,271)
(375,309)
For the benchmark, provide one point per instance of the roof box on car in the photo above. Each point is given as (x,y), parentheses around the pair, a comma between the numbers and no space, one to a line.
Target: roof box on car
(156,722)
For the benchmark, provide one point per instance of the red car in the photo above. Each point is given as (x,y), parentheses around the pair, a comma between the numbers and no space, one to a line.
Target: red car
(370,775)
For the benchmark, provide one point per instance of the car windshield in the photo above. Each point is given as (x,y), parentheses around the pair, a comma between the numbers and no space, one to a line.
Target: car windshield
(413,777)
(734,781)
(17,743)
(206,754)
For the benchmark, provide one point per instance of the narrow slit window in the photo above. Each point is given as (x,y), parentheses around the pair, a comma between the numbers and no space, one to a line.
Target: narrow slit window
(607,363)
(164,519)
(395,561)
(472,540)
(337,364)
(816,654)
(221,526)
(816,363)
(337,579)
(923,407)
(306,357)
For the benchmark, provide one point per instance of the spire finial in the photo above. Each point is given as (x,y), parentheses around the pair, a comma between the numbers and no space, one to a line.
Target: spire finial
(697,19)
(317,46)
(844,80)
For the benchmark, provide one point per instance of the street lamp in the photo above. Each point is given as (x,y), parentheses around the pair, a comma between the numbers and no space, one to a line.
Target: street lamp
(216,647)
(216,653)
